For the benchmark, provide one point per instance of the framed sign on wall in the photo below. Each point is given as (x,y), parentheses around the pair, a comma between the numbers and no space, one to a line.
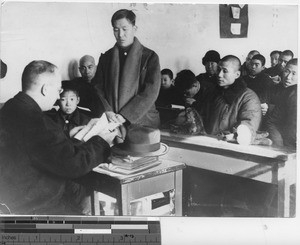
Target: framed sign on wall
(233,20)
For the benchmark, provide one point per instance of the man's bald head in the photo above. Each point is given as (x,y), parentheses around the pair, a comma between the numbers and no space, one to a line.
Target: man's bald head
(228,70)
(86,58)
(87,67)
(235,61)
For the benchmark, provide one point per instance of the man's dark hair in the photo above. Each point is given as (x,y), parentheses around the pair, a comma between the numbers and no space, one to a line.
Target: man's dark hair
(33,70)
(288,53)
(185,80)
(259,57)
(167,72)
(275,52)
(293,62)
(123,13)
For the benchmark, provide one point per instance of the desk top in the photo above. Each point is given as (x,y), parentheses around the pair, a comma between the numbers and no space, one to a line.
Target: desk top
(216,145)
(166,166)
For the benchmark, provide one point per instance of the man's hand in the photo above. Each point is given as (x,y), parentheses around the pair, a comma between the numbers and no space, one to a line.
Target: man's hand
(276,79)
(108,136)
(113,117)
(189,101)
(75,130)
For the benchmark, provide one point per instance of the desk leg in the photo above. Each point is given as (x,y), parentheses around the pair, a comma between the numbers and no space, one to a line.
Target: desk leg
(287,178)
(124,202)
(178,193)
(95,203)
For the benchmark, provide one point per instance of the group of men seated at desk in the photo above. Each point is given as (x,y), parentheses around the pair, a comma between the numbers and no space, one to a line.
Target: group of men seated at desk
(44,161)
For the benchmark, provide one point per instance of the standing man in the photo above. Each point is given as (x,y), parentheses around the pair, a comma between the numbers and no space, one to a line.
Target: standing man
(128,76)
(38,161)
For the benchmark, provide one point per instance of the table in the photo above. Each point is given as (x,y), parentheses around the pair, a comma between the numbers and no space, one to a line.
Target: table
(261,163)
(164,177)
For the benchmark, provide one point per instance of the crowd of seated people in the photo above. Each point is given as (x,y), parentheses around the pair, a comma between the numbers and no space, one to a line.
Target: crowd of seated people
(231,95)
(227,95)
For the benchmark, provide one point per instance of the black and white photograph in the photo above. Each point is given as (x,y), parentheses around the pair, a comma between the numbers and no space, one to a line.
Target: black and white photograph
(184,112)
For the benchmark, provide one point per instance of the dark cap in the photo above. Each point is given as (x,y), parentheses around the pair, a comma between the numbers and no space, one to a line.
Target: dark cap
(212,56)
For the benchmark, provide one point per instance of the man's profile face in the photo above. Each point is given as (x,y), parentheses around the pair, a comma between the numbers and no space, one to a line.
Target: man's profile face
(290,75)
(53,83)
(227,73)
(124,32)
(87,69)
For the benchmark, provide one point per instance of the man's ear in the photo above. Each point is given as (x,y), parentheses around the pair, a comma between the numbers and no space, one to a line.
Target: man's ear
(238,74)
(44,89)
(78,100)
(135,28)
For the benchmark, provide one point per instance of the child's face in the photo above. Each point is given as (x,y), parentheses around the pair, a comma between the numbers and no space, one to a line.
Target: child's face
(256,67)
(166,81)
(68,102)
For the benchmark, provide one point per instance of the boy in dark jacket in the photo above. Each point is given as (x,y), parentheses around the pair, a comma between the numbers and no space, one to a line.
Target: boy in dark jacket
(259,82)
(168,95)
(69,115)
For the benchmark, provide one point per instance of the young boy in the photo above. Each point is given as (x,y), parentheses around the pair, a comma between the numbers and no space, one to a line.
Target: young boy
(69,116)
(167,93)
(258,81)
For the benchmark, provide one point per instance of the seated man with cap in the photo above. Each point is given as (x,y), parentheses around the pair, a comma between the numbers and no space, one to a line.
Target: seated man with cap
(210,61)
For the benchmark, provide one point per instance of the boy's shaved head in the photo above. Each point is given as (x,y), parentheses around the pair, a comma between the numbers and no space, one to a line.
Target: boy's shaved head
(232,59)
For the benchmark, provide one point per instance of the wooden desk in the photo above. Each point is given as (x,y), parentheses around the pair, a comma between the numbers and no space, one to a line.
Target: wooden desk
(161,178)
(261,163)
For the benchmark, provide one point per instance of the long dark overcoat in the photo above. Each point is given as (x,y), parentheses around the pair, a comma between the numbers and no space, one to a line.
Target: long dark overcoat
(134,93)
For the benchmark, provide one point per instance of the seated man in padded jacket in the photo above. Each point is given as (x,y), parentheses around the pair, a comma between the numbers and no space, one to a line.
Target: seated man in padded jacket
(233,104)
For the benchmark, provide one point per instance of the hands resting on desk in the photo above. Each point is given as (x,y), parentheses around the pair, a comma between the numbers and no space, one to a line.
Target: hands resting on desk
(243,136)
